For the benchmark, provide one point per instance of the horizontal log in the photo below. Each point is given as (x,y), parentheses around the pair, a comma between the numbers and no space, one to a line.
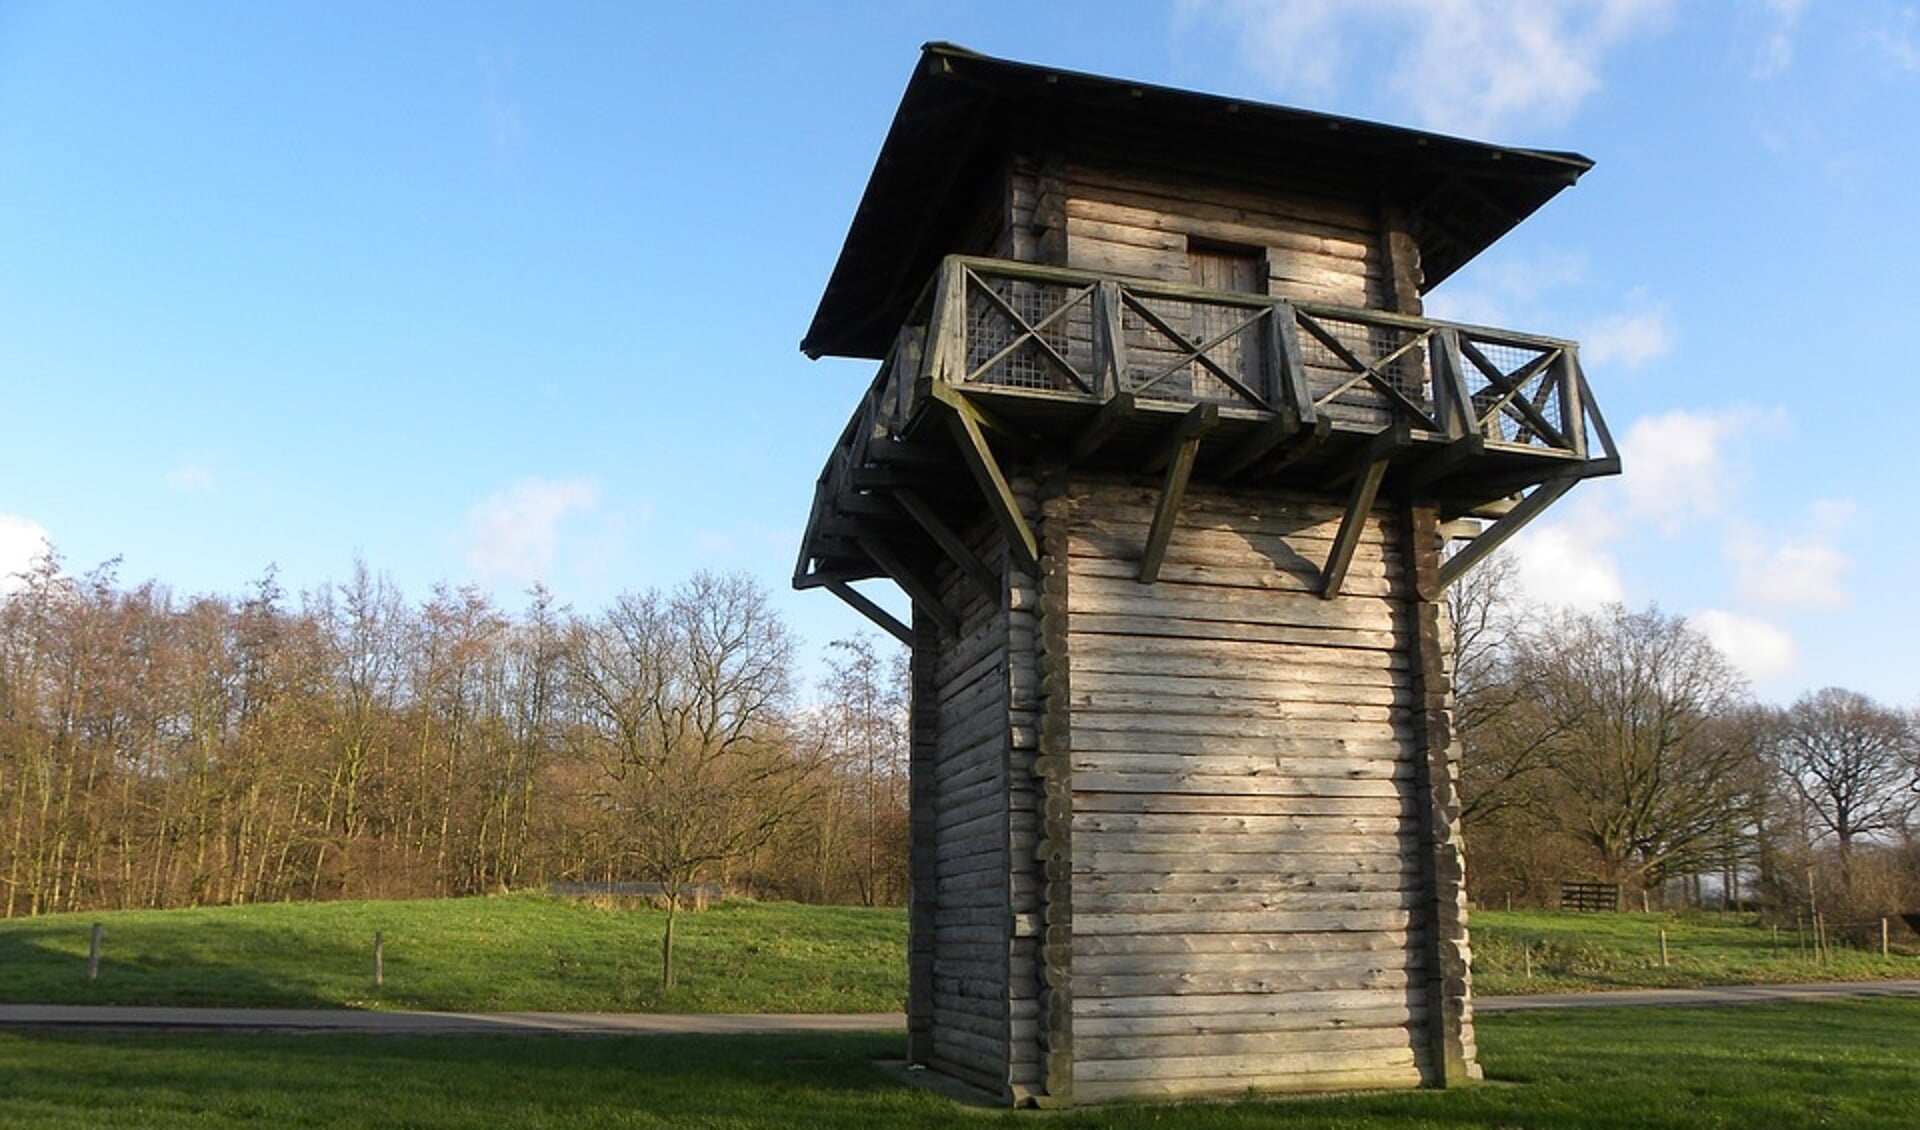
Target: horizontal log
(1227,785)
(1122,630)
(1272,215)
(1276,237)
(1392,1013)
(1115,596)
(1391,947)
(1091,738)
(1327,897)
(1089,883)
(1281,1046)
(1312,1002)
(1397,1077)
(1231,727)
(1265,922)
(1195,803)
(1171,711)
(1244,1066)
(1180,766)
(1228,824)
(1251,580)
(1354,857)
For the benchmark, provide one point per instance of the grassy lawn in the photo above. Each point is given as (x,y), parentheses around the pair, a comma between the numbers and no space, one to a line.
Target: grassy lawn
(531,952)
(1851,1063)
(508,953)
(1579,952)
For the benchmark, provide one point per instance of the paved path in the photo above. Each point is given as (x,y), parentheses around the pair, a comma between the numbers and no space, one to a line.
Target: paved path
(636,1024)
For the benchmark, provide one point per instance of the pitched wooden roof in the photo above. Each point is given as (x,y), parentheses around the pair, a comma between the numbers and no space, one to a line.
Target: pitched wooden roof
(963,114)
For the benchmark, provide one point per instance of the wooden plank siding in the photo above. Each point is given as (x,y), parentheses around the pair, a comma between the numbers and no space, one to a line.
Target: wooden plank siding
(1249,894)
(958,1012)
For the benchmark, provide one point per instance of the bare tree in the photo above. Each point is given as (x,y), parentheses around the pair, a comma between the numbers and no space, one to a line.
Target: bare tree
(1649,774)
(681,702)
(1849,759)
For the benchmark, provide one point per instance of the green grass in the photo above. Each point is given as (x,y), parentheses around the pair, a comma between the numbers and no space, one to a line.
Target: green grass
(531,952)
(1850,1063)
(1581,952)
(524,952)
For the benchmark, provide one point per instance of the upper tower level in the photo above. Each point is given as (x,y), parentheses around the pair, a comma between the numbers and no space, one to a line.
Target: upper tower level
(1103,273)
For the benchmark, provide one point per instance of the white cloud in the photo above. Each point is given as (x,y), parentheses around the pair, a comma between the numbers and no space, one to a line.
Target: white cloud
(21,540)
(1677,465)
(1567,563)
(1472,66)
(515,532)
(1805,570)
(1761,649)
(1627,340)
(191,478)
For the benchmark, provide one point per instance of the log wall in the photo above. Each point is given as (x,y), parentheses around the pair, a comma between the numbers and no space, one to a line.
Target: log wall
(1250,899)
(960,968)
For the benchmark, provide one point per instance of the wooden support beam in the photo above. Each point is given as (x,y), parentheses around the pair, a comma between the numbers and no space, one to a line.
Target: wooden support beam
(1431,469)
(881,617)
(1312,439)
(1491,538)
(1195,423)
(1105,424)
(950,543)
(964,421)
(924,598)
(1182,447)
(1370,470)
(1270,435)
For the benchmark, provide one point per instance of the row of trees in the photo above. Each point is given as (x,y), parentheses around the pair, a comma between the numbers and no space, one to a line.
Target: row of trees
(161,752)
(1621,745)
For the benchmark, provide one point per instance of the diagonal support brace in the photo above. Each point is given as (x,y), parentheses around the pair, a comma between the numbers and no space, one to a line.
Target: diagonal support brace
(1490,539)
(1371,469)
(966,423)
(881,618)
(918,591)
(1179,453)
(950,543)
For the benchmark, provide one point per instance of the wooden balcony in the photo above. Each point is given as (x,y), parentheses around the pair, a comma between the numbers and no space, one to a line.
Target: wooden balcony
(1012,361)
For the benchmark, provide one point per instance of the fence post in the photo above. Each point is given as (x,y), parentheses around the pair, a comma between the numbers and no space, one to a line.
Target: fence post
(93,953)
(1884,949)
(379,959)
(1526,958)
(1663,949)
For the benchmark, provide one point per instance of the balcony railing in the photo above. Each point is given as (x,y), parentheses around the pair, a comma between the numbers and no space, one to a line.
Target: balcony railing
(1040,332)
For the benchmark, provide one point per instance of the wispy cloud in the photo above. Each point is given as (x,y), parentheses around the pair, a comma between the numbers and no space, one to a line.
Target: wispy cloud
(1805,569)
(1569,561)
(21,540)
(1899,42)
(188,478)
(1629,339)
(1471,66)
(515,532)
(1760,648)
(505,123)
(1774,56)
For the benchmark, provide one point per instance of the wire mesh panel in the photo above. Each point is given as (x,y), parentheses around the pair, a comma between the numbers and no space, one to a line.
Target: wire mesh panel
(1030,335)
(1192,351)
(1364,372)
(1515,391)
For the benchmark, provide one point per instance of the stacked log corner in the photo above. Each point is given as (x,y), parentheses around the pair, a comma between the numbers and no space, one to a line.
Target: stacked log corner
(1196,837)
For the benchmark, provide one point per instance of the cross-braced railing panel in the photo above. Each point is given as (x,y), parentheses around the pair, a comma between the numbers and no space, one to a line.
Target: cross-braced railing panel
(1517,390)
(1022,327)
(1194,352)
(1363,370)
(1028,334)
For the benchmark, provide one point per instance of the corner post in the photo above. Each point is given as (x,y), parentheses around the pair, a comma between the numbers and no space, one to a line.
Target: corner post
(1442,867)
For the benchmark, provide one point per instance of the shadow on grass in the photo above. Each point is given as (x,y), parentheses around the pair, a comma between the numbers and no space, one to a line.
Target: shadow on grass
(226,964)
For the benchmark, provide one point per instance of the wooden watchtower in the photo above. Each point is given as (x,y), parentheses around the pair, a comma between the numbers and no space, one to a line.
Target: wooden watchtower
(1166,457)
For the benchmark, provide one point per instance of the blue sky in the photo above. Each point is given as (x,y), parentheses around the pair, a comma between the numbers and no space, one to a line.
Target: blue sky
(486,293)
